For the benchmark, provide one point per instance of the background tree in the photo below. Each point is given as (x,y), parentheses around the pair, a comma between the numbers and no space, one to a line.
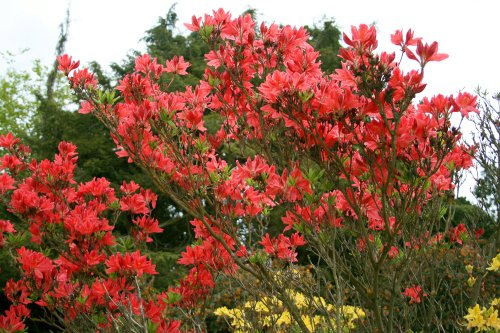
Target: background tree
(18,96)
(164,41)
(325,37)
(487,141)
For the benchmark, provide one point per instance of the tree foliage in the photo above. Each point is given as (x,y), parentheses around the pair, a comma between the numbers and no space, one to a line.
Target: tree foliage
(487,143)
(18,97)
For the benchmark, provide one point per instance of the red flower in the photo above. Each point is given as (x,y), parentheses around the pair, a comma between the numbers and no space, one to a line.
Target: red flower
(172,326)
(84,220)
(129,188)
(84,79)
(17,292)
(35,263)
(130,264)
(414,293)
(145,65)
(193,119)
(12,321)
(85,107)
(297,240)
(195,24)
(66,64)
(13,163)
(282,247)
(6,183)
(134,203)
(393,252)
(458,234)
(8,141)
(5,226)
(268,244)
(94,258)
(296,185)
(426,53)
(397,39)
(193,256)
(177,66)
(402,84)
(147,225)
(98,188)
(465,103)
(364,37)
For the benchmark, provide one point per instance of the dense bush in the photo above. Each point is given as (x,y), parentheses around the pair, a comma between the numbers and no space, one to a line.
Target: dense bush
(342,173)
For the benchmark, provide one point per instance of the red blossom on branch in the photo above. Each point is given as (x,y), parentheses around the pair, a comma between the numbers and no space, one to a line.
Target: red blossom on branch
(426,53)
(408,40)
(130,264)
(177,66)
(66,64)
(48,199)
(414,293)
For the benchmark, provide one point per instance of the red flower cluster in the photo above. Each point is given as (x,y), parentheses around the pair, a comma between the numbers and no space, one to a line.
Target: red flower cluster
(349,151)
(414,293)
(283,247)
(458,234)
(129,264)
(81,276)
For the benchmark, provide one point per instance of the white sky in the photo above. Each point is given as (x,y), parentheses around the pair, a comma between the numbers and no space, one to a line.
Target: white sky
(106,30)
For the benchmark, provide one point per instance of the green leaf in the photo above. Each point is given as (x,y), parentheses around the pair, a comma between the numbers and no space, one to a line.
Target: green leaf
(173,297)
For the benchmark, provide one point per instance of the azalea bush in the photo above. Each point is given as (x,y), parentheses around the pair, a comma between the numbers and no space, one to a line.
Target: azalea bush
(345,173)
(484,319)
(269,314)
(74,267)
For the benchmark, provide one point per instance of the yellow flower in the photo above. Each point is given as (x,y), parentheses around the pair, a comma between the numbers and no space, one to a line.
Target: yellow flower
(469,268)
(475,318)
(318,319)
(261,307)
(352,312)
(493,321)
(224,311)
(471,281)
(308,321)
(320,302)
(236,315)
(284,319)
(238,319)
(495,264)
(495,302)
(270,320)
(269,313)
(299,299)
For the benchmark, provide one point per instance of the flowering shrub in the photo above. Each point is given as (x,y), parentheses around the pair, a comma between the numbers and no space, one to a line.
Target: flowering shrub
(484,319)
(344,171)
(74,267)
(414,293)
(495,264)
(269,313)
